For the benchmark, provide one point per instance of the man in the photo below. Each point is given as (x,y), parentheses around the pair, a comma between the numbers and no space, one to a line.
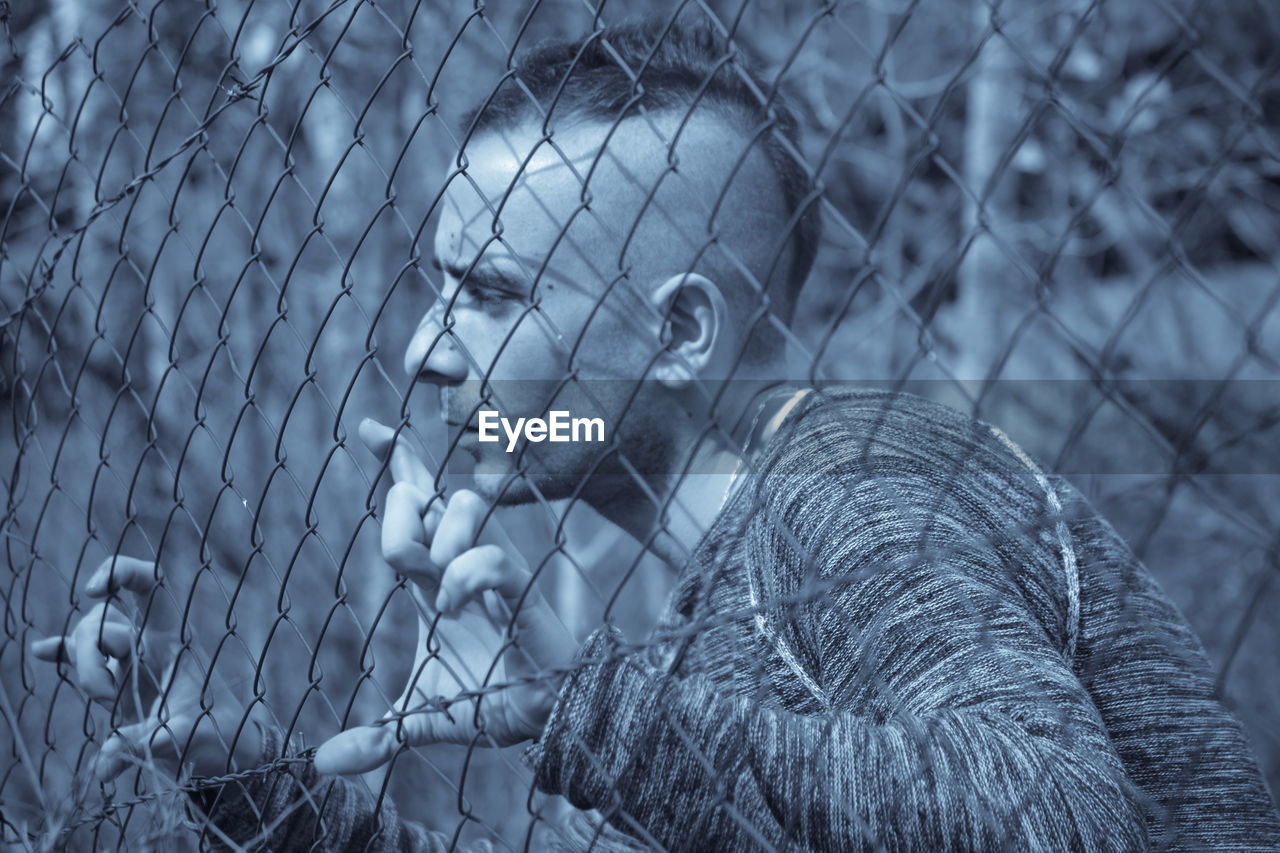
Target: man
(890,628)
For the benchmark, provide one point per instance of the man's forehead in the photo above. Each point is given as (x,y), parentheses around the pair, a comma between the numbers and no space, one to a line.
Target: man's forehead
(509,178)
(589,182)
(530,188)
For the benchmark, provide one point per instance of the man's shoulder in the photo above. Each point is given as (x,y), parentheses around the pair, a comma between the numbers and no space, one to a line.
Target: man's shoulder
(851,428)
(905,493)
(916,465)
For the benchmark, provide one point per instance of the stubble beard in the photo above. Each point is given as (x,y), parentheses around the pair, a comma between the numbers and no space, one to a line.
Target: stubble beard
(599,476)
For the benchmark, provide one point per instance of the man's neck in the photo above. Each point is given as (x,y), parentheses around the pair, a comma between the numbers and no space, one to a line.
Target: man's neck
(670,521)
(671,516)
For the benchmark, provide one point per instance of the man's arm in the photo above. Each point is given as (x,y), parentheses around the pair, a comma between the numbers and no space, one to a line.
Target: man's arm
(1157,692)
(292,808)
(954,719)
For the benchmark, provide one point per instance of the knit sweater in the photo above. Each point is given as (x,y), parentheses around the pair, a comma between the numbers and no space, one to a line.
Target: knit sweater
(898,634)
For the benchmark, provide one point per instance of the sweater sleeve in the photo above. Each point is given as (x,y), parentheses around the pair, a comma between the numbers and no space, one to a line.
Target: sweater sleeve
(950,718)
(292,808)
(1157,694)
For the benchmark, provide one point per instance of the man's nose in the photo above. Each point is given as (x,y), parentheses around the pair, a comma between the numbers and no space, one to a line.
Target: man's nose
(433,354)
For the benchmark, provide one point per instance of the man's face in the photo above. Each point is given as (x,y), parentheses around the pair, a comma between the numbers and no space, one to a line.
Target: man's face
(535,294)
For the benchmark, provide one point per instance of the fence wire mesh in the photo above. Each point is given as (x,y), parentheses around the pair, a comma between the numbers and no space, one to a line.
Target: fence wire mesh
(217,246)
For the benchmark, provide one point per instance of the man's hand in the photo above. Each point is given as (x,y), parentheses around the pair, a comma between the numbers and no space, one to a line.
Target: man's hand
(491,651)
(189,722)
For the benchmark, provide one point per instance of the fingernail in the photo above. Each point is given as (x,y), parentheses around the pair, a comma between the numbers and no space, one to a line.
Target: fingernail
(97,584)
(104,764)
(442,602)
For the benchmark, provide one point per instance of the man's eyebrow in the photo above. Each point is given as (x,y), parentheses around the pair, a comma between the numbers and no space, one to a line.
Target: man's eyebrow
(482,275)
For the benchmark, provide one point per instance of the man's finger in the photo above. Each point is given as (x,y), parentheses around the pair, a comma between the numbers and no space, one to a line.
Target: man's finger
(405,465)
(405,533)
(120,572)
(113,758)
(377,436)
(458,527)
(480,569)
(116,639)
(357,750)
(130,743)
(94,639)
(52,649)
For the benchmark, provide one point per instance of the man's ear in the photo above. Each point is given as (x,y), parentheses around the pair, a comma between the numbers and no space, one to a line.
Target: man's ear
(695,319)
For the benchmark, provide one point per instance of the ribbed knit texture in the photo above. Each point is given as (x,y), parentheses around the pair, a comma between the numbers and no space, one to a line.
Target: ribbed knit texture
(913,564)
(898,635)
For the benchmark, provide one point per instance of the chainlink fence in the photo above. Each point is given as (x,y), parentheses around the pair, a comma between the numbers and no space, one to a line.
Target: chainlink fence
(217,222)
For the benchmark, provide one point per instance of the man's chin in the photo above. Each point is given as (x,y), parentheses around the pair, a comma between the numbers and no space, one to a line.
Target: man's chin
(501,490)
(497,478)
(501,486)
(498,483)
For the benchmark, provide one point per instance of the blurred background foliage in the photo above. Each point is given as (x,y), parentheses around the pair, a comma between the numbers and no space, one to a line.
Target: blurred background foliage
(213,218)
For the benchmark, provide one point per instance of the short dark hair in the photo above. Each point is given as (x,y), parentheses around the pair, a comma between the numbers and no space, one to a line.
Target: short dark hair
(611,73)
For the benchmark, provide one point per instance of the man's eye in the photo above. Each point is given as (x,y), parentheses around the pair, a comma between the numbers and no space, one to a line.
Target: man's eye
(493,296)
(482,286)
(488,295)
